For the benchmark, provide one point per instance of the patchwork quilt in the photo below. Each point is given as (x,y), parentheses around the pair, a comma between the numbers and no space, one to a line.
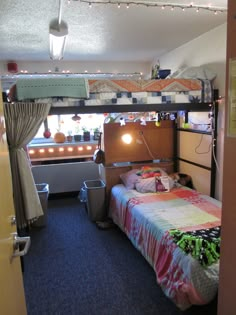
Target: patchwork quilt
(153,222)
(125,92)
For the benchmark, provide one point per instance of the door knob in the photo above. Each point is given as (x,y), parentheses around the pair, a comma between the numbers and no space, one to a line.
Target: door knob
(17,241)
(13,220)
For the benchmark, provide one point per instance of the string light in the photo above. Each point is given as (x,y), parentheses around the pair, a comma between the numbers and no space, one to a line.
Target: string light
(65,73)
(152,4)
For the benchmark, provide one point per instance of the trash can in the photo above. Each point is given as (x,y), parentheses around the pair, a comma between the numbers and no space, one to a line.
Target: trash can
(43,192)
(95,191)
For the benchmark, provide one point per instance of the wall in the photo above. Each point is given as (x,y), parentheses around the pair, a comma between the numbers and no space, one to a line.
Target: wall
(209,50)
(227,286)
(80,67)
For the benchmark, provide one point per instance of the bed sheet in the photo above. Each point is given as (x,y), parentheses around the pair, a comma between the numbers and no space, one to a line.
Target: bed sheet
(146,220)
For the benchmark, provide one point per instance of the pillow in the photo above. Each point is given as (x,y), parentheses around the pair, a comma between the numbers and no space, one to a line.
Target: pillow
(147,172)
(178,72)
(146,185)
(201,72)
(129,178)
(154,184)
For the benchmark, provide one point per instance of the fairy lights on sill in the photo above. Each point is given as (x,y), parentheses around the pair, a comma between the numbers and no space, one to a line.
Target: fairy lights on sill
(63,151)
(151,4)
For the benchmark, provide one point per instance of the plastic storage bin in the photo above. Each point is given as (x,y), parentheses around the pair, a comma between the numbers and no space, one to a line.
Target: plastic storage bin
(95,191)
(43,191)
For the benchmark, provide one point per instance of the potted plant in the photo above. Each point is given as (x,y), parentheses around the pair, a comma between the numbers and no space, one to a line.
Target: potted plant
(69,138)
(96,133)
(86,133)
(77,135)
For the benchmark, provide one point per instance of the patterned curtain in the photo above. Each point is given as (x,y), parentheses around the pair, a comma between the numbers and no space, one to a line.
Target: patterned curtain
(22,123)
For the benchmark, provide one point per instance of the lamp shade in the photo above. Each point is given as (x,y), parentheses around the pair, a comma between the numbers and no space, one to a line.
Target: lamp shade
(57,37)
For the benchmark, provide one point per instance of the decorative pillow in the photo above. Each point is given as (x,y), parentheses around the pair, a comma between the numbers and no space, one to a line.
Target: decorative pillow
(146,185)
(130,178)
(154,184)
(147,172)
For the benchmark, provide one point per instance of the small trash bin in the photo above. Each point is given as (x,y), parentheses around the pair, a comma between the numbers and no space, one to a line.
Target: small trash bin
(43,192)
(95,191)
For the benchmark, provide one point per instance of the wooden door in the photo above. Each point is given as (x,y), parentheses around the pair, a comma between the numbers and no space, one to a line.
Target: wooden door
(12,299)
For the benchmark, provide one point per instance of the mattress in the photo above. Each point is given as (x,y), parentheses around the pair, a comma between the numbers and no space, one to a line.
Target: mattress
(148,219)
(126,92)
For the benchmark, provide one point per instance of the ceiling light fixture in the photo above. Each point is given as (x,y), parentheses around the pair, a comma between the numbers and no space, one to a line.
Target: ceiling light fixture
(58,32)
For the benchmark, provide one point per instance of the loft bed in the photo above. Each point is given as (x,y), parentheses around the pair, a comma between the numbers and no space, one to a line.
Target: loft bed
(150,219)
(78,95)
(72,95)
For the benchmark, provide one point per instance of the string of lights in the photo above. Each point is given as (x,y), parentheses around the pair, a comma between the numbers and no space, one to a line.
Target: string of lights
(152,4)
(64,73)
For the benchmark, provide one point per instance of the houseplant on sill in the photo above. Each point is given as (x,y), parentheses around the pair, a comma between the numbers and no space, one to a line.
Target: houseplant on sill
(96,133)
(69,138)
(86,133)
(77,135)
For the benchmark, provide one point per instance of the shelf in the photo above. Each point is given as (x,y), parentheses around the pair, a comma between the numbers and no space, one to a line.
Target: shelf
(195,131)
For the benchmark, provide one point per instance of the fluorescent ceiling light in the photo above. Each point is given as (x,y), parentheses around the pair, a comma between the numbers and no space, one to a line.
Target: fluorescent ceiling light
(57,37)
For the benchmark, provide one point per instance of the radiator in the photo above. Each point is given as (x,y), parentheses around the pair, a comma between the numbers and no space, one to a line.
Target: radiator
(65,177)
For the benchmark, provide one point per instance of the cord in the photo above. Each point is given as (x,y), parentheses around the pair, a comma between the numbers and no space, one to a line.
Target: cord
(145,142)
(209,147)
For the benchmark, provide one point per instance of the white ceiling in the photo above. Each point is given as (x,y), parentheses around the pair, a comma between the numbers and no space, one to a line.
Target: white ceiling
(103,32)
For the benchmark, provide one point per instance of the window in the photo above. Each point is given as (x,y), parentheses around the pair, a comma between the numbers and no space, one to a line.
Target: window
(69,126)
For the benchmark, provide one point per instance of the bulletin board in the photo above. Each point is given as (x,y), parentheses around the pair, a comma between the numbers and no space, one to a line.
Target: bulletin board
(149,142)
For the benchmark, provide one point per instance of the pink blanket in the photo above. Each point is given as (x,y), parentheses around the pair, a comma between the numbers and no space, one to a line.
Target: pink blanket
(147,218)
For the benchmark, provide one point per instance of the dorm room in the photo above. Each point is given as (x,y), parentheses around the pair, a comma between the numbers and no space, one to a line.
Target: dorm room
(203,148)
(163,142)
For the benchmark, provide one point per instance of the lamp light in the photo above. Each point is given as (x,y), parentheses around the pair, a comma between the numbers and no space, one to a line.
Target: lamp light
(127,138)
(57,37)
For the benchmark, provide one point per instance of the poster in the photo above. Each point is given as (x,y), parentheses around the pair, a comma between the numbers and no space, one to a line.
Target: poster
(232,99)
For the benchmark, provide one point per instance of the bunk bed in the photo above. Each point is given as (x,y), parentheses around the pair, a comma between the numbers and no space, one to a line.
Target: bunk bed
(155,222)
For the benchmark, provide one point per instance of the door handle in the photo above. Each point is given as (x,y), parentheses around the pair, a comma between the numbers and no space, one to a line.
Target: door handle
(17,241)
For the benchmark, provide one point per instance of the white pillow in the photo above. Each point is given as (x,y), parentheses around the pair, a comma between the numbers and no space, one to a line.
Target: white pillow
(201,72)
(146,185)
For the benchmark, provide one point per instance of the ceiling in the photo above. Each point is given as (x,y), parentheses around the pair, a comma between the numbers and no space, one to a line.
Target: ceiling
(103,32)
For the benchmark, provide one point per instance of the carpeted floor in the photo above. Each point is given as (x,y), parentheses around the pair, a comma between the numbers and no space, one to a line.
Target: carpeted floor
(75,268)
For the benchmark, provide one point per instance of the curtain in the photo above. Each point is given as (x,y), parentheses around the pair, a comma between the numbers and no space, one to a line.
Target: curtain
(22,123)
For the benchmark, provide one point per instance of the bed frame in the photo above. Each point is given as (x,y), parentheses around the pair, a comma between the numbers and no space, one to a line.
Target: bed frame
(176,143)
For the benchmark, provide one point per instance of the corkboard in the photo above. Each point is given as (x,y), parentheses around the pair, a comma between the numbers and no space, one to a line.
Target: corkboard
(159,140)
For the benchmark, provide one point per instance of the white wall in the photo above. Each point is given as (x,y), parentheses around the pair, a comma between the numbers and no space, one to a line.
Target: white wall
(79,67)
(209,50)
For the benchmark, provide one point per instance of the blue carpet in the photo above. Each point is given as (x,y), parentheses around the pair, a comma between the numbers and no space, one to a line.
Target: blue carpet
(74,268)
